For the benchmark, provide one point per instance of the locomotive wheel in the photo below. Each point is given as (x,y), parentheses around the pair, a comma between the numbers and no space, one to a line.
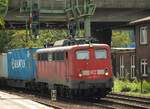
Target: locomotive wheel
(61,91)
(73,94)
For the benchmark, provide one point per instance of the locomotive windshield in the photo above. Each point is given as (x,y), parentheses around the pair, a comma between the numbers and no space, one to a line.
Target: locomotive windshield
(100,54)
(82,54)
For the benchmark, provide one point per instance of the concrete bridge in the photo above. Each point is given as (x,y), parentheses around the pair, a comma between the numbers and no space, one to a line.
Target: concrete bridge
(108,14)
(106,11)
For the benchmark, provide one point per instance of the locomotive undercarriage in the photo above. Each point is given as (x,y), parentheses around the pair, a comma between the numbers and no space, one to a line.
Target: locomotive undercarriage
(75,89)
(89,89)
(81,93)
(92,91)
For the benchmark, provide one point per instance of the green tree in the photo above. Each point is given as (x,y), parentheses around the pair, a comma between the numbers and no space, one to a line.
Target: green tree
(19,39)
(3,10)
(2,22)
(4,40)
(121,39)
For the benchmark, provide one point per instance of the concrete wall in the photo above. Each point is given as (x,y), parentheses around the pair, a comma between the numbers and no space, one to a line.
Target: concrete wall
(122,3)
(119,15)
(107,10)
(99,3)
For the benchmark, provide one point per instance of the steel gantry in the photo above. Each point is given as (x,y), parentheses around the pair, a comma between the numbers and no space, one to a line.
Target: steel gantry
(32,10)
(77,10)
(74,10)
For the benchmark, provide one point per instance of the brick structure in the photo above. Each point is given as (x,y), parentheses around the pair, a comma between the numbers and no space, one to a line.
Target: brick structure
(123,61)
(142,33)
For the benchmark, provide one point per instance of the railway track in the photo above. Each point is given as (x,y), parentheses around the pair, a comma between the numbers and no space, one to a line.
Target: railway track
(112,101)
(47,103)
(127,101)
(133,97)
(65,103)
(78,103)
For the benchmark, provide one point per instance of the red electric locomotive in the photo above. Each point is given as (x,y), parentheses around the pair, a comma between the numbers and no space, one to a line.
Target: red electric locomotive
(76,70)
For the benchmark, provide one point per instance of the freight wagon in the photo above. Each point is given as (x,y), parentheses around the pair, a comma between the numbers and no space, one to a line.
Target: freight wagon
(21,66)
(3,68)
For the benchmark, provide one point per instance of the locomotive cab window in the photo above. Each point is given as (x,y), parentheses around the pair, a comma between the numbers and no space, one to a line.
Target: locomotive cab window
(101,54)
(50,57)
(44,56)
(82,54)
(58,56)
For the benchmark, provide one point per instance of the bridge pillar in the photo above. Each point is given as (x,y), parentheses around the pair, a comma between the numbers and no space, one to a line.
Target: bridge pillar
(87,26)
(103,35)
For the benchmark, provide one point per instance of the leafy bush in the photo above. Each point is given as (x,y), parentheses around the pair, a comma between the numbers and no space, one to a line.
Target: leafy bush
(128,86)
(146,87)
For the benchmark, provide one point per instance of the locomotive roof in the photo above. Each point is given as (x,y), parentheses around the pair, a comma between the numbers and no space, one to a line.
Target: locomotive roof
(65,48)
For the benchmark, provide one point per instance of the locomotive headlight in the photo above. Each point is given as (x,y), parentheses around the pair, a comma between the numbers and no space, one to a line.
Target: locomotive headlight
(106,72)
(80,75)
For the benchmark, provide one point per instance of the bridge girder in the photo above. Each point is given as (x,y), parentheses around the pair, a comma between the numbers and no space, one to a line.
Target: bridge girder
(106,11)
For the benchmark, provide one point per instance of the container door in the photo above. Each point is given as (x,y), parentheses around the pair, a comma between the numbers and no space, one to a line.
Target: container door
(31,62)
(3,66)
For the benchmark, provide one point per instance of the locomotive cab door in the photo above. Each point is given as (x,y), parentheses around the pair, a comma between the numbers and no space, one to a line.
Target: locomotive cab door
(66,66)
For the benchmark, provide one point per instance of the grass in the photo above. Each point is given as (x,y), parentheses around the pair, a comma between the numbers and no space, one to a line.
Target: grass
(138,94)
(132,88)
